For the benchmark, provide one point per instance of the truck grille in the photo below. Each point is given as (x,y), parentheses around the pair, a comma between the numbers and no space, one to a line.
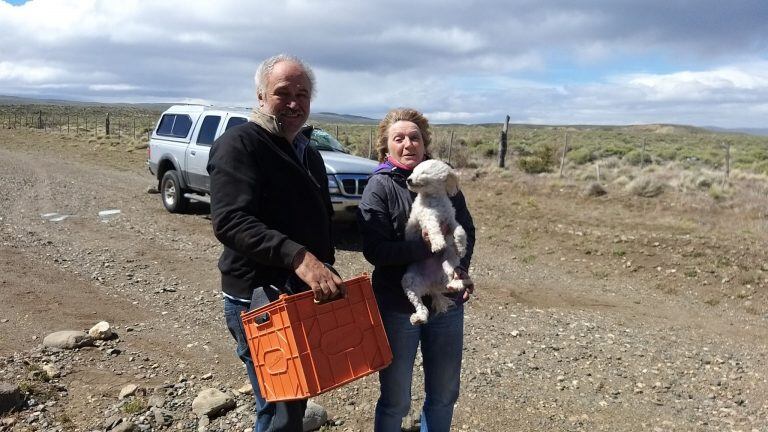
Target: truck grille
(352,184)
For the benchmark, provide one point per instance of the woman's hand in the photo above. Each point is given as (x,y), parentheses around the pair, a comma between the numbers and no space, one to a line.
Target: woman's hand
(469,288)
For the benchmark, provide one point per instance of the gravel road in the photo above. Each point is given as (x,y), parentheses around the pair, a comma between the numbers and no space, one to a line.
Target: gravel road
(591,314)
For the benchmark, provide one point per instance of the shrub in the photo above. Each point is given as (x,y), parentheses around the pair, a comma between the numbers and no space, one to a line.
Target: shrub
(717,192)
(595,189)
(622,181)
(581,155)
(540,161)
(533,165)
(637,157)
(645,186)
(135,406)
(611,150)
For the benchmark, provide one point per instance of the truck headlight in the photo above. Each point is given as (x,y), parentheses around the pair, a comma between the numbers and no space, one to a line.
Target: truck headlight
(333,185)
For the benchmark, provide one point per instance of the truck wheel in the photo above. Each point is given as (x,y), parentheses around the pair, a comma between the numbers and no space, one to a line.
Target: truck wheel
(171,192)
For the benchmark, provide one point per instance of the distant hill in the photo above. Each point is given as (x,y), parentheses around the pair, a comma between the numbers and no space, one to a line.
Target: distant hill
(16,100)
(334,118)
(326,117)
(748,131)
(323,117)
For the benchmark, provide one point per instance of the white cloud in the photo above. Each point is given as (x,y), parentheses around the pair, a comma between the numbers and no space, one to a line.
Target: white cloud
(112,87)
(592,61)
(28,73)
(733,82)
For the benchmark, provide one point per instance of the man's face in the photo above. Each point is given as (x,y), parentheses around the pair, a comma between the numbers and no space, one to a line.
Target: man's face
(286,96)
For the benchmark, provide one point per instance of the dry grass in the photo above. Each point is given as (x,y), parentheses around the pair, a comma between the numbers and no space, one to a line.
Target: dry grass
(646,187)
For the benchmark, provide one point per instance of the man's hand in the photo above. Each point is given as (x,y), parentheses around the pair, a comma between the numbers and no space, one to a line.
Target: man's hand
(323,282)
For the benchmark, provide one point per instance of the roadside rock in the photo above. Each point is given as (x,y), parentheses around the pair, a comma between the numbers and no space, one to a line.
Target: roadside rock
(51,371)
(315,416)
(246,389)
(124,427)
(67,339)
(128,390)
(101,331)
(211,402)
(10,397)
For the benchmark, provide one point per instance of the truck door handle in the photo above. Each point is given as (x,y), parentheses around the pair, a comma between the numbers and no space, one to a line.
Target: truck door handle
(193,152)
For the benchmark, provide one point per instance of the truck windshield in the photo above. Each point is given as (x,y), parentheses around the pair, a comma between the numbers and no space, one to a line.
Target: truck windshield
(322,140)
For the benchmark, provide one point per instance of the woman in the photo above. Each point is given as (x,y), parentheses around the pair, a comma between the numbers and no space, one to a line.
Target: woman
(403,143)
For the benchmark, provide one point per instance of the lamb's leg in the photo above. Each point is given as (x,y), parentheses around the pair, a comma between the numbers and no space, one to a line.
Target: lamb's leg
(460,239)
(458,284)
(422,313)
(410,286)
(436,237)
(449,266)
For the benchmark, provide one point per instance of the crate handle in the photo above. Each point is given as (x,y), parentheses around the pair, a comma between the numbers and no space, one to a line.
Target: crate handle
(341,296)
(262,319)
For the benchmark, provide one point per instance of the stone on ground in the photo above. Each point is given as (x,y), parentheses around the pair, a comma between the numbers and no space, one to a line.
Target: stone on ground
(212,402)
(315,417)
(67,339)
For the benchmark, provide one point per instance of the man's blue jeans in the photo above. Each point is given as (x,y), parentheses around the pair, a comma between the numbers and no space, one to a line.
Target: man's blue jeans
(441,347)
(270,417)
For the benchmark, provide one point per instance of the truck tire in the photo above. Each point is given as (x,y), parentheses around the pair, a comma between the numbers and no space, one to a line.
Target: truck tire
(171,192)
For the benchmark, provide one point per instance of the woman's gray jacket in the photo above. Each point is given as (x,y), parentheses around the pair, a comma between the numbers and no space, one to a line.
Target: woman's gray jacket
(382,216)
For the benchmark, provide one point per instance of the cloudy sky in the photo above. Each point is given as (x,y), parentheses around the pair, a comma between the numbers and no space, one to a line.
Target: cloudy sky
(698,62)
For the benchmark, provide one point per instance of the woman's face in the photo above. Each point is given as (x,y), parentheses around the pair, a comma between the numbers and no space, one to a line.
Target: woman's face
(405,144)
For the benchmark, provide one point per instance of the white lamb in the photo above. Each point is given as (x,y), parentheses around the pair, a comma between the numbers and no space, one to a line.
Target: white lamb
(432,211)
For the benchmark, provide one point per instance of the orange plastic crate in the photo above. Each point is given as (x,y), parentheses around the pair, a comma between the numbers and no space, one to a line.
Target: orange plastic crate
(302,349)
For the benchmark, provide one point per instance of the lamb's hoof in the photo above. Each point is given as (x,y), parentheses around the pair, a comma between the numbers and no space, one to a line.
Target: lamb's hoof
(455,285)
(437,246)
(418,319)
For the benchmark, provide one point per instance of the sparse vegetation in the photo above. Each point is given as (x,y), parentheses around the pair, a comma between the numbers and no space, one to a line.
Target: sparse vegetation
(135,406)
(645,186)
(532,148)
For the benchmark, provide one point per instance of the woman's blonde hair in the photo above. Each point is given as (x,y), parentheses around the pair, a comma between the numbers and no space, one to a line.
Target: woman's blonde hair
(402,114)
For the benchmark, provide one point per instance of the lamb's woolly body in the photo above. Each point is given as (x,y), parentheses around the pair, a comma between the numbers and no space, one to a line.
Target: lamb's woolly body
(434,181)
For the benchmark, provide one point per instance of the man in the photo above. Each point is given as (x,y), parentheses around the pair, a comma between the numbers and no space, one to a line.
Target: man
(271,209)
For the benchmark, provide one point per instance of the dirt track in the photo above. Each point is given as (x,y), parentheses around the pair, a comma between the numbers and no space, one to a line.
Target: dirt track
(608,314)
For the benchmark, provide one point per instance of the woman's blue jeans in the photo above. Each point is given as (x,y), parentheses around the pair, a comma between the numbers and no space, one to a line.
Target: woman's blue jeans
(442,340)
(270,416)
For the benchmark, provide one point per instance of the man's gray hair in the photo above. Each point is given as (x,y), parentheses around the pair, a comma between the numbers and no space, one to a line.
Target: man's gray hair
(266,67)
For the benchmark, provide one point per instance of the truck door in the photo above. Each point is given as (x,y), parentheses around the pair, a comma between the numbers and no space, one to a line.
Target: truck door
(197,153)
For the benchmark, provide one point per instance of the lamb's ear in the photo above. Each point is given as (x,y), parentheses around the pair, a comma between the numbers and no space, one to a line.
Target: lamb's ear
(452,183)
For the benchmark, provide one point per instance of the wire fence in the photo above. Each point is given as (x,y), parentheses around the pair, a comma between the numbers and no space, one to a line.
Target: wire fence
(530,148)
(136,126)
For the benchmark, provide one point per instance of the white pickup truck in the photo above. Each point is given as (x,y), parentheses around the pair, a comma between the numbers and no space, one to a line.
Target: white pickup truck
(182,139)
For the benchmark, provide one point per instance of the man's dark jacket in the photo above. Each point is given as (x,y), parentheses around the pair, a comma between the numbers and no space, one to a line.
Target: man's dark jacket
(382,216)
(266,206)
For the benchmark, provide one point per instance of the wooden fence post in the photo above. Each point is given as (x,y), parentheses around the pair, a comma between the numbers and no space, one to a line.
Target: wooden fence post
(450,148)
(642,155)
(106,126)
(370,144)
(727,147)
(562,158)
(134,128)
(503,143)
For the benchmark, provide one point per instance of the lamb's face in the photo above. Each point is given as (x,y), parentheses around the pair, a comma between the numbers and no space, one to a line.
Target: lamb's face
(433,177)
